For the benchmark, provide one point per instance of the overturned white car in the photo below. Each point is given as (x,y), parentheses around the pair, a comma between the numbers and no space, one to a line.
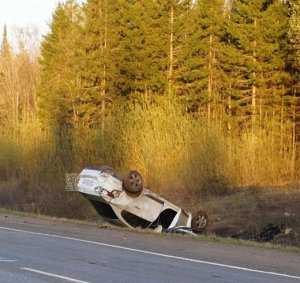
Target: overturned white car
(127,202)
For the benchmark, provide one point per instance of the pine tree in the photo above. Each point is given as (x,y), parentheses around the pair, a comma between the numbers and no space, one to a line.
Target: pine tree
(135,42)
(242,35)
(132,47)
(254,59)
(99,58)
(60,87)
(252,38)
(294,67)
(200,74)
(273,78)
(294,39)
(173,22)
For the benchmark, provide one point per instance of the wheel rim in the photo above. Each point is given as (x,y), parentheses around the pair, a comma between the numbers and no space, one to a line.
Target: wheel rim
(135,181)
(201,222)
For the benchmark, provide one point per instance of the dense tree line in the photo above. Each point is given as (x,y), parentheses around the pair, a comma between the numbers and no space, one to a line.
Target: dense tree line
(224,60)
(234,63)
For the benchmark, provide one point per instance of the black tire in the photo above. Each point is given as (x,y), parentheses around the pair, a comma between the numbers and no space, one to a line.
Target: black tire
(133,183)
(199,222)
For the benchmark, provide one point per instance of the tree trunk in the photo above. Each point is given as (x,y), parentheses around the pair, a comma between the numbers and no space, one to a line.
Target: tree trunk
(254,89)
(229,105)
(171,62)
(281,125)
(103,103)
(294,147)
(209,86)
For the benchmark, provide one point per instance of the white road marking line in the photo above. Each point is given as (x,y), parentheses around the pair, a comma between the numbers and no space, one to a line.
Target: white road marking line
(234,267)
(7,260)
(53,275)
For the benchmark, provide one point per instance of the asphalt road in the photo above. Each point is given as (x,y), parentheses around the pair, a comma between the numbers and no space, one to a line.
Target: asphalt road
(40,250)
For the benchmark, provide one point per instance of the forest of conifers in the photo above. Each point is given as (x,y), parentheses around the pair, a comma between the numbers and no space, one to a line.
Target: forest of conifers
(198,95)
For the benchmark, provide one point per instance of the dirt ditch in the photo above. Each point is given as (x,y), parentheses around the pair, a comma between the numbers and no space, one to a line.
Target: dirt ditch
(264,215)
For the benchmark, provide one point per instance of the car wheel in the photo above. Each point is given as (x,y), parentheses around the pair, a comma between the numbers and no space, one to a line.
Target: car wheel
(133,183)
(199,222)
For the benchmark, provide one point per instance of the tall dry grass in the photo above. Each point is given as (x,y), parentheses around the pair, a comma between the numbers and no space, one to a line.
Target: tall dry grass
(179,155)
